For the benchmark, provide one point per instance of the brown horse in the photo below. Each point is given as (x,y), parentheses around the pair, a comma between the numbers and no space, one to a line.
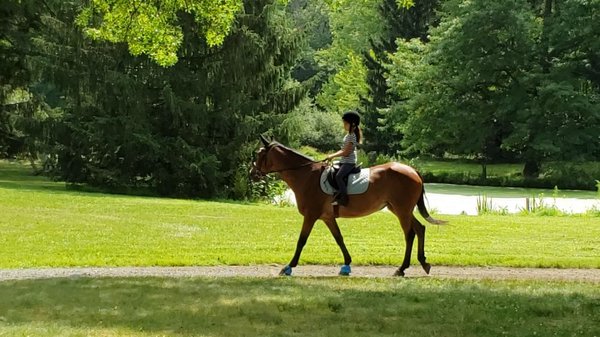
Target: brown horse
(393,185)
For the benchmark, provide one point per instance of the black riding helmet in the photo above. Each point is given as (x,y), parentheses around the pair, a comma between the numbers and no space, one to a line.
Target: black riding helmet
(351,117)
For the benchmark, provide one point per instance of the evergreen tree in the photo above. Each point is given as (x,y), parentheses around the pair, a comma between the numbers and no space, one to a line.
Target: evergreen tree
(19,106)
(402,22)
(183,130)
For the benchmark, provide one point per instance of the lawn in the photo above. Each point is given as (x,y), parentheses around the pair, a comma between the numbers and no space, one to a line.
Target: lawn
(297,307)
(45,225)
(469,168)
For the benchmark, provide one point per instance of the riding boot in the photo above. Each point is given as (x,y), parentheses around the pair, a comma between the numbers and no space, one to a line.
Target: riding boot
(342,199)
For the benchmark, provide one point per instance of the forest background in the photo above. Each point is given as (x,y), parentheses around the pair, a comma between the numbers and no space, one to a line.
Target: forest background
(168,97)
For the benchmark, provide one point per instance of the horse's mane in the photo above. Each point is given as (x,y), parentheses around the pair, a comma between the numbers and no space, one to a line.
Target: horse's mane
(272,144)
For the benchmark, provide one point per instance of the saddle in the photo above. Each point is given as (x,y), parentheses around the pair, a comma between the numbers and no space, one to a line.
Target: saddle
(332,173)
(357,181)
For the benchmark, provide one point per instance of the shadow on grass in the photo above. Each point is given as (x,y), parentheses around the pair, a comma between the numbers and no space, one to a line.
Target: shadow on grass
(304,307)
(20,176)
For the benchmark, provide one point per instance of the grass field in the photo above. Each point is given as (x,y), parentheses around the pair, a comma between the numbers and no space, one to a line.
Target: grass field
(297,307)
(44,225)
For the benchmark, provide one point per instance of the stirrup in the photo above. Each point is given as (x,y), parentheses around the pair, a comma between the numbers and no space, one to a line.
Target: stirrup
(336,200)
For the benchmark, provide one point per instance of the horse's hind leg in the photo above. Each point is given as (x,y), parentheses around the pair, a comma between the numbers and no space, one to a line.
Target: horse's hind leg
(339,239)
(409,237)
(420,230)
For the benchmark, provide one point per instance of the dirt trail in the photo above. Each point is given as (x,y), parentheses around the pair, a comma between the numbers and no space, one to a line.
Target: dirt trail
(477,273)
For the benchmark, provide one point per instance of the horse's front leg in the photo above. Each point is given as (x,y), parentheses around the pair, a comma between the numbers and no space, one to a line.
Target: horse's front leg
(307,227)
(339,239)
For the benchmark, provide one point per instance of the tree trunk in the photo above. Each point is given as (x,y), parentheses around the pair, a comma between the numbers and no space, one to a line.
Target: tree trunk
(531,169)
(483,170)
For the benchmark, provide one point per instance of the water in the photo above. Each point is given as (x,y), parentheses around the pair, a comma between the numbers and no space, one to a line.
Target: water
(466,202)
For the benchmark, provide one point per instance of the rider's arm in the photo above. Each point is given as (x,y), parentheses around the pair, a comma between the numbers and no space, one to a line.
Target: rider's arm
(341,153)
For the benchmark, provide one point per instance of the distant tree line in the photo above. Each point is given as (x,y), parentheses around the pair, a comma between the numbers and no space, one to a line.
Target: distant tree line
(171,95)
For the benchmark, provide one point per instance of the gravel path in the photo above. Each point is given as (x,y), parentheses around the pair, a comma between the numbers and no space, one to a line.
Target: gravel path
(478,273)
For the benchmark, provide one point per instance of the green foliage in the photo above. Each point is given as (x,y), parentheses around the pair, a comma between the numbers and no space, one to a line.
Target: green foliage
(342,59)
(309,126)
(538,205)
(373,158)
(346,87)
(22,107)
(501,81)
(473,58)
(185,130)
(312,19)
(383,103)
(154,28)
(562,174)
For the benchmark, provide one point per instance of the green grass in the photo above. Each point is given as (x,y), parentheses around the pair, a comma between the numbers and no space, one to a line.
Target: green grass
(296,307)
(44,225)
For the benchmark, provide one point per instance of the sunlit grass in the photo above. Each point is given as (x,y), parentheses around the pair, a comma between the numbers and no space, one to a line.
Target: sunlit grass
(44,225)
(296,307)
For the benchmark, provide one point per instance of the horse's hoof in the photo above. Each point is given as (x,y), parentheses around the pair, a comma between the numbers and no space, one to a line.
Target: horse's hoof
(426,267)
(399,272)
(345,270)
(286,271)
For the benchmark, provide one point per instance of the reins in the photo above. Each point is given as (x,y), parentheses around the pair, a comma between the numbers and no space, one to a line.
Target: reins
(311,162)
(294,168)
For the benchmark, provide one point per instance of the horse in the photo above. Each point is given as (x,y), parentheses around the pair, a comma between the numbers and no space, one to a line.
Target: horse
(393,185)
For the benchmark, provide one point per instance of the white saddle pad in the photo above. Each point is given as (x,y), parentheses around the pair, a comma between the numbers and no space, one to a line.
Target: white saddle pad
(357,182)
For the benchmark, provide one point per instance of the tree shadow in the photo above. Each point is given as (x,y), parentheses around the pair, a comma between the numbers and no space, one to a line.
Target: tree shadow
(307,307)
(19,176)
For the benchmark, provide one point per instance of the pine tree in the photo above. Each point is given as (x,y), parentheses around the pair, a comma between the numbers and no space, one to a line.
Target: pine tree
(183,130)
(400,23)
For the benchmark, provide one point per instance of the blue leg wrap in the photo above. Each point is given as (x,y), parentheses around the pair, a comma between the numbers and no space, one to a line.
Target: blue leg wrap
(287,270)
(346,270)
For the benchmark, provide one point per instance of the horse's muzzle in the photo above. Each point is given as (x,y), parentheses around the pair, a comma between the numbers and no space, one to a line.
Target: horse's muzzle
(255,173)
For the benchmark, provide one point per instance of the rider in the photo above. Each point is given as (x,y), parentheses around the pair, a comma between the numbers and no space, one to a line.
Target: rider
(348,159)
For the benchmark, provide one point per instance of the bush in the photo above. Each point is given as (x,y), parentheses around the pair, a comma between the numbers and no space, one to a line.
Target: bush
(564,175)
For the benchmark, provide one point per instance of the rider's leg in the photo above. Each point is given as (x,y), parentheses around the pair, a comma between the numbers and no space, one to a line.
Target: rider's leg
(344,171)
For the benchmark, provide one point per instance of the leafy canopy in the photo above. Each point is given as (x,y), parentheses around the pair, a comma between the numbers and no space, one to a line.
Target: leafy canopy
(153,27)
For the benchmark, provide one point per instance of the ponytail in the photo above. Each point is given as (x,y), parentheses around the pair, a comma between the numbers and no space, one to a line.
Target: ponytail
(358,134)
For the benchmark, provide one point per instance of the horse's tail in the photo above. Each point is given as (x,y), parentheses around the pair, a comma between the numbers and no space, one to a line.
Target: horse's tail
(423,209)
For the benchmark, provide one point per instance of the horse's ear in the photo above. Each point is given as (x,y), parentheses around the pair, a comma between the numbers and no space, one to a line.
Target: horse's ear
(264,140)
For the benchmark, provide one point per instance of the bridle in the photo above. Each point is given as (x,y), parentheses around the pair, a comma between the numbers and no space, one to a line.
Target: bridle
(262,174)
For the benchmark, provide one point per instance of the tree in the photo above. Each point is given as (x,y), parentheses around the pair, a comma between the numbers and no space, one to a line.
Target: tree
(402,21)
(473,79)
(311,18)
(185,130)
(562,118)
(498,81)
(352,24)
(22,107)
(154,27)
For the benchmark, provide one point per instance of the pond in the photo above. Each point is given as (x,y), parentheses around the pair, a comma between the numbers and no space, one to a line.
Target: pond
(461,199)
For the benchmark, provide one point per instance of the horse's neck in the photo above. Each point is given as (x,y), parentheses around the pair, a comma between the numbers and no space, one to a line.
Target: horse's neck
(297,179)
(300,170)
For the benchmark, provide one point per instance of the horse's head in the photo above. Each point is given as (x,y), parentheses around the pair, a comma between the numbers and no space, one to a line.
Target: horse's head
(260,167)
(274,157)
